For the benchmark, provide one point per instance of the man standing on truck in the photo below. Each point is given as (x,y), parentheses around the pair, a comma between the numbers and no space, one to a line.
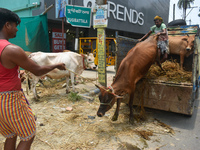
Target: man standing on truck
(16,116)
(160,29)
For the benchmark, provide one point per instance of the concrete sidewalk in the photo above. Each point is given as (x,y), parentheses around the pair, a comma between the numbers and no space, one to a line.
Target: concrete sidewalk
(93,74)
(90,86)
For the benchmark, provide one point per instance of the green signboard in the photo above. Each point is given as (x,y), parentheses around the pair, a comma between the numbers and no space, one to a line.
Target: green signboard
(78,16)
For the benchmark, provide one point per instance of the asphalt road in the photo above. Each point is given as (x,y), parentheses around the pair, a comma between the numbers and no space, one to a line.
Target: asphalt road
(187,128)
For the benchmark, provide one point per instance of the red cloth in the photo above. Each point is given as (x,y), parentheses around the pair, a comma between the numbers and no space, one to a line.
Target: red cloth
(9,78)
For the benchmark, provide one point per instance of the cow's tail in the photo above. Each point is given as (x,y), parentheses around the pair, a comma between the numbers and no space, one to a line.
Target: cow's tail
(29,83)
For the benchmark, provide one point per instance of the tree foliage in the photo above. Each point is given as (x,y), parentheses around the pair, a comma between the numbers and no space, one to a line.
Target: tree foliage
(184,4)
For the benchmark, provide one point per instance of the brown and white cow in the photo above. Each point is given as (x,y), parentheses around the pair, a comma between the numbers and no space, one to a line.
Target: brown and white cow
(73,62)
(181,45)
(132,68)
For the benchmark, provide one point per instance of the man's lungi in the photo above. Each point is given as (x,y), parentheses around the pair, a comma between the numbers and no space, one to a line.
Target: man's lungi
(16,117)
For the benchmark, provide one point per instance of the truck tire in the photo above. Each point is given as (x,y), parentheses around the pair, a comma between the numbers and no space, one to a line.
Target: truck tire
(177,22)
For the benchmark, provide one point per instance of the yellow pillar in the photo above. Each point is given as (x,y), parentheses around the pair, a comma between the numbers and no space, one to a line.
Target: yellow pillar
(102,77)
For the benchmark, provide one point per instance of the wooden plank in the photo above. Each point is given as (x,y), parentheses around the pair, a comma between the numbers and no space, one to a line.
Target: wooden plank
(187,27)
(182,30)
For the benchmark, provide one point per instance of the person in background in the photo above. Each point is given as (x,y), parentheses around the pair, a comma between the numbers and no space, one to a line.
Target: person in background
(159,29)
(16,116)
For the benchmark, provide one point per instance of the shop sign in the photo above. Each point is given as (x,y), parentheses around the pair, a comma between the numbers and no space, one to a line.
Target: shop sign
(57,41)
(78,16)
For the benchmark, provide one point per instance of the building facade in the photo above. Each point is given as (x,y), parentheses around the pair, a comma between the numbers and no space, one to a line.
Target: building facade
(130,18)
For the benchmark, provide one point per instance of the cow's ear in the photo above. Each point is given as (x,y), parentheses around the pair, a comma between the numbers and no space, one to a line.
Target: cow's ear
(184,39)
(83,55)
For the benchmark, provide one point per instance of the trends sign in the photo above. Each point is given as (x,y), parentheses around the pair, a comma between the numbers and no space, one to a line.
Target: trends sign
(133,16)
(121,13)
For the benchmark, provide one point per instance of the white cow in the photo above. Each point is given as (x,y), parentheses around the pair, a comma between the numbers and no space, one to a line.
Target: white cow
(73,61)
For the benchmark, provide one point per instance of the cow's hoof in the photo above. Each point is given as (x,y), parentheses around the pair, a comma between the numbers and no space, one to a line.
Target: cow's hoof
(67,92)
(36,99)
(114,118)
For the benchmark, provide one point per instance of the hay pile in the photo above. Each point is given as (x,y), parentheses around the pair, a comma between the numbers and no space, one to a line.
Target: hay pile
(172,72)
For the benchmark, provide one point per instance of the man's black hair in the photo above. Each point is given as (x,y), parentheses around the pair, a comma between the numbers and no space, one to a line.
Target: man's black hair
(8,16)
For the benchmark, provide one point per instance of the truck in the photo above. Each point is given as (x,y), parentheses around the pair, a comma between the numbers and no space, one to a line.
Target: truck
(177,97)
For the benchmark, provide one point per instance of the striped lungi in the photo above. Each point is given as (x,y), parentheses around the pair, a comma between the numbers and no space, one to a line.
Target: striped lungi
(16,117)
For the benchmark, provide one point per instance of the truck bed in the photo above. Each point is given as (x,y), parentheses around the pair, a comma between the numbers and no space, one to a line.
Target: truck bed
(162,95)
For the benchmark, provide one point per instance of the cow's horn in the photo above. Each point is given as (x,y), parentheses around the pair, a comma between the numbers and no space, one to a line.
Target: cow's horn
(97,86)
(109,90)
